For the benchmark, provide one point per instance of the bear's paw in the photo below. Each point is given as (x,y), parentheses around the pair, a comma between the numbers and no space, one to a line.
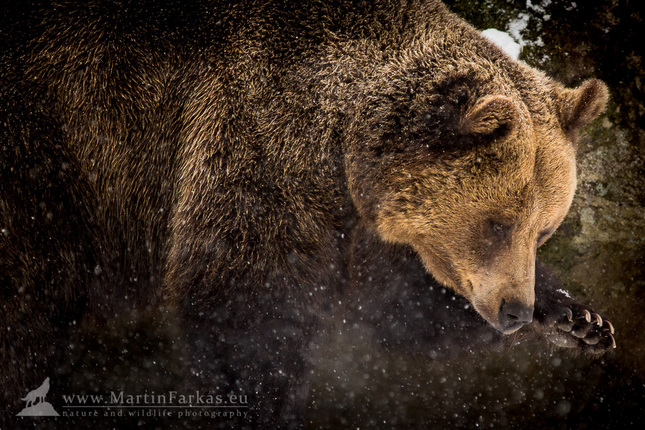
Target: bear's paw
(572,325)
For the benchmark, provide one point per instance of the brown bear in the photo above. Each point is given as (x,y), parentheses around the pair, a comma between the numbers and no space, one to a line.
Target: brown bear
(248,169)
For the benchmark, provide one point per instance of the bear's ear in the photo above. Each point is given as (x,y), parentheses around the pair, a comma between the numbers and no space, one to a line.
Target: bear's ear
(492,117)
(580,106)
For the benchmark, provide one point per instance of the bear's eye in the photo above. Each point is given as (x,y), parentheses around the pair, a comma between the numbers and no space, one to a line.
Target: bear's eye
(499,229)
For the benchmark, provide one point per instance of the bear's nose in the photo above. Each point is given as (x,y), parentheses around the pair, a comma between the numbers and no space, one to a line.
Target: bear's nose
(514,314)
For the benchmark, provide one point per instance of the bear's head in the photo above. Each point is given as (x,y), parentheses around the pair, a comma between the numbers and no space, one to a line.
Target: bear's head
(474,171)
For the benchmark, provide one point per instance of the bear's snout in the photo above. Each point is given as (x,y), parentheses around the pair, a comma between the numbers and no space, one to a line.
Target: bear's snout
(513,315)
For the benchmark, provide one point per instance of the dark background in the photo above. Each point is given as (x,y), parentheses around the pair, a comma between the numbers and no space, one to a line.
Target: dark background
(599,254)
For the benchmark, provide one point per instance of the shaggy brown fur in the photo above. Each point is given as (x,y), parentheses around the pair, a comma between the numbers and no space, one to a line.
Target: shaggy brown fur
(235,161)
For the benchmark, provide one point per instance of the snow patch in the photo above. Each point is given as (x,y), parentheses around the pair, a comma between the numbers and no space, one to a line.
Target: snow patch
(564,292)
(538,7)
(504,41)
(517,26)
(511,41)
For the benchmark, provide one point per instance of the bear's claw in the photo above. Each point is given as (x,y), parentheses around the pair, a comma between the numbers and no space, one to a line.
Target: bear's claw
(574,326)
(587,315)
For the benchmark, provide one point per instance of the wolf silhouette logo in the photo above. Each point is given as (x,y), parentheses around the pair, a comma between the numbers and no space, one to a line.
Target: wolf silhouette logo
(36,404)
